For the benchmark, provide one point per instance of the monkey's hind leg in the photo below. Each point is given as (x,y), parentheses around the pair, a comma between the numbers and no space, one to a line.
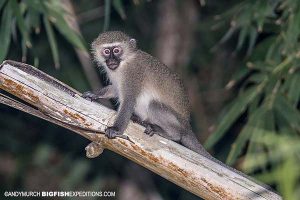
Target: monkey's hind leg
(152,129)
(137,120)
(163,121)
(173,127)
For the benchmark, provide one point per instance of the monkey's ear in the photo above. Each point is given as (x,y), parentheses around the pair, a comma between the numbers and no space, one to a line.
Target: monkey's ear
(132,42)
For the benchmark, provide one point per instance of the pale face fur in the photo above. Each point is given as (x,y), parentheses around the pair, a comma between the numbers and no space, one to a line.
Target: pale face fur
(97,51)
(115,76)
(98,56)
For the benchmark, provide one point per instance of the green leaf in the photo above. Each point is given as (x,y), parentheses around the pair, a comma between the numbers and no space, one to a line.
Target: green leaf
(273,51)
(292,32)
(259,54)
(36,5)
(264,10)
(24,51)
(284,65)
(33,20)
(254,126)
(228,34)
(276,148)
(5,31)
(287,183)
(62,26)
(283,125)
(242,37)
(239,106)
(254,105)
(118,5)
(52,41)
(286,110)
(265,127)
(252,40)
(20,21)
(294,90)
(270,123)
(255,160)
(106,15)
(237,76)
(257,78)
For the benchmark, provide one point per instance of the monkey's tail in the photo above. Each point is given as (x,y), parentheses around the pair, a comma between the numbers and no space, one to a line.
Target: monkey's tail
(190,141)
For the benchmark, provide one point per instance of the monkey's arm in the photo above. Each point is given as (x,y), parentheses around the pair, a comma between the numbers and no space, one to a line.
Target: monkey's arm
(123,116)
(107,92)
(130,87)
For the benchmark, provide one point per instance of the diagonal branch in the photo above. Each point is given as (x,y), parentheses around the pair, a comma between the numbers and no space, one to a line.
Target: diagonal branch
(191,171)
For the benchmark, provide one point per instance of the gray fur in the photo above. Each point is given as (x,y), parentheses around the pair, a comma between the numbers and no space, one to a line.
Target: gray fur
(147,88)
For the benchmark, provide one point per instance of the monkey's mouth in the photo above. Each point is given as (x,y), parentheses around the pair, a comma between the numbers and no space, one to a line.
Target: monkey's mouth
(112,64)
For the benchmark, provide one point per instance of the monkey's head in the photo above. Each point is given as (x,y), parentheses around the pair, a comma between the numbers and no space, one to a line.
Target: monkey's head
(112,47)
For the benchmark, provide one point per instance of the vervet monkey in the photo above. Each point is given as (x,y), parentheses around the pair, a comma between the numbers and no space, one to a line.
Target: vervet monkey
(144,87)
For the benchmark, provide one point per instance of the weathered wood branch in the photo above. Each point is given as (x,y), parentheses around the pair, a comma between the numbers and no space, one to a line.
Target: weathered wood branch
(189,170)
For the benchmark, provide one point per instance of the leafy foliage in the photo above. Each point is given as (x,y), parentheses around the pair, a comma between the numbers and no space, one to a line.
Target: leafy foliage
(118,6)
(28,15)
(31,14)
(269,91)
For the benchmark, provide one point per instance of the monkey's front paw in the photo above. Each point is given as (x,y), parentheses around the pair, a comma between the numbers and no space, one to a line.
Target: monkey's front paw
(149,130)
(89,95)
(112,132)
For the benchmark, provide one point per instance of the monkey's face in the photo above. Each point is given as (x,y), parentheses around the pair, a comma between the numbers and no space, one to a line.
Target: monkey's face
(113,48)
(112,56)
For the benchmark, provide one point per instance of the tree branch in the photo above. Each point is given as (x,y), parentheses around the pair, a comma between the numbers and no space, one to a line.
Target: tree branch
(189,170)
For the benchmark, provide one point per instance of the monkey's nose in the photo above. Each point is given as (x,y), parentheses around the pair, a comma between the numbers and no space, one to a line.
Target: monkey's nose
(112,65)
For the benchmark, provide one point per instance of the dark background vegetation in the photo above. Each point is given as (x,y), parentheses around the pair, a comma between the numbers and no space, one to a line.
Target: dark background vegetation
(239,61)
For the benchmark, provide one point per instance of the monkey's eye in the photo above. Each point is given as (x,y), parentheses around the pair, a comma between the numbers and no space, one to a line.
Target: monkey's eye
(106,52)
(117,50)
